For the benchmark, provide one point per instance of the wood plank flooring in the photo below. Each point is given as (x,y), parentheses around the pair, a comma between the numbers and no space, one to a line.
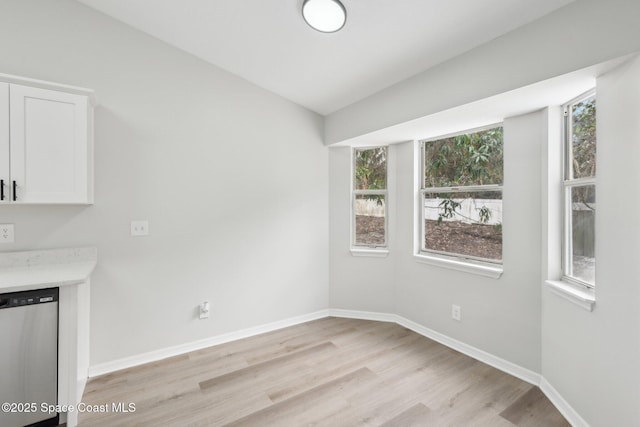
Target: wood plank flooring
(329,372)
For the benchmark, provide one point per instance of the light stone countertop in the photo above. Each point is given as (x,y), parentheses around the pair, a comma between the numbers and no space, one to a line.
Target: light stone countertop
(21,271)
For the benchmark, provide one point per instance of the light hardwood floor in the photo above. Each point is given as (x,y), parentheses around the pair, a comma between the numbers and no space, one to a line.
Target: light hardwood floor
(329,372)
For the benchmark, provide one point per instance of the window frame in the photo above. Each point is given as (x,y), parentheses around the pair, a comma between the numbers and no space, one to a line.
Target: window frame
(453,260)
(568,184)
(363,249)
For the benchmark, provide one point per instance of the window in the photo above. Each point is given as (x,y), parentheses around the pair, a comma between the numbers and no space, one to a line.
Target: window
(369,198)
(579,191)
(461,196)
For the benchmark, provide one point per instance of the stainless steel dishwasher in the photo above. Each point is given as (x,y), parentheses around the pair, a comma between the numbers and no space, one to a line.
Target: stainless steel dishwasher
(29,358)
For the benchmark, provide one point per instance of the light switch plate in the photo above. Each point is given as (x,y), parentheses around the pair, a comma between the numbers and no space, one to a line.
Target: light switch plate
(140,228)
(7,233)
(456,312)
(204,310)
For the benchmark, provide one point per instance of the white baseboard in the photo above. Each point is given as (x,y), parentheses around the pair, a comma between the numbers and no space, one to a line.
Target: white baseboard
(498,363)
(504,365)
(363,315)
(562,405)
(153,356)
(524,374)
(511,368)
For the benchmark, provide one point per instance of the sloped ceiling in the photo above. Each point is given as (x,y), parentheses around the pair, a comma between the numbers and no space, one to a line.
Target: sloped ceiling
(268,43)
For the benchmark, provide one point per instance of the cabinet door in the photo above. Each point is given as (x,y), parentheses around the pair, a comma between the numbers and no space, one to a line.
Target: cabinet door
(4,143)
(48,145)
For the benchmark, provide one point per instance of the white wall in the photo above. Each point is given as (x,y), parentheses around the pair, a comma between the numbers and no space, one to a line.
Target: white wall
(358,283)
(591,358)
(500,316)
(232,178)
(581,34)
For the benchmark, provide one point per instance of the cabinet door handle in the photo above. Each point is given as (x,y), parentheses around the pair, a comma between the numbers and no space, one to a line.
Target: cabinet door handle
(15,196)
(1,189)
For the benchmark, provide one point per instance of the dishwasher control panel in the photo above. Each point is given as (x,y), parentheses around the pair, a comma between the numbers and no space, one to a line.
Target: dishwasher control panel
(19,299)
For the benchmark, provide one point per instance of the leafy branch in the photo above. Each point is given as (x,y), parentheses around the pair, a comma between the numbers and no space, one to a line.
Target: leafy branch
(450,208)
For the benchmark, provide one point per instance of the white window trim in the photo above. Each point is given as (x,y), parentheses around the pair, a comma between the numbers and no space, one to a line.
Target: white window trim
(465,265)
(363,250)
(369,252)
(581,296)
(572,288)
(567,243)
(455,262)
(454,190)
(563,287)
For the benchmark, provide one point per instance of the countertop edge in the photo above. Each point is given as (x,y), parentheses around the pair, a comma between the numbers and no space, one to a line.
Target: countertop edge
(55,274)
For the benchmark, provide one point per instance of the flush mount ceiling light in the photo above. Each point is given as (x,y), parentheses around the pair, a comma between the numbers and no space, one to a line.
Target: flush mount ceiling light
(327,16)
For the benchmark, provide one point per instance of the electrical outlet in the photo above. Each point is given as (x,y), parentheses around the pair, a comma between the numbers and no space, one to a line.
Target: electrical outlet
(140,228)
(204,310)
(456,312)
(7,233)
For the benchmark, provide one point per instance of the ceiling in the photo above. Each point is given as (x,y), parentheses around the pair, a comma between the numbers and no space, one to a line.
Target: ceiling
(491,110)
(383,42)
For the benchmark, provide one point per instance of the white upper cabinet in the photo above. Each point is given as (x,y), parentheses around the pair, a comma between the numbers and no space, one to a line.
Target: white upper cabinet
(4,142)
(45,146)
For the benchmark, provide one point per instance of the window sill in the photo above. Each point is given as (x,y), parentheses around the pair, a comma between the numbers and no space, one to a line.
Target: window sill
(370,252)
(486,270)
(581,297)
